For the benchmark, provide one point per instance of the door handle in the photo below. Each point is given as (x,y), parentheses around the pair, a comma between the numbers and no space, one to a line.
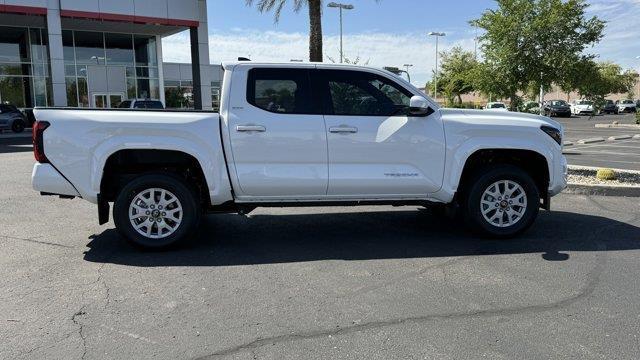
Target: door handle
(343,130)
(249,128)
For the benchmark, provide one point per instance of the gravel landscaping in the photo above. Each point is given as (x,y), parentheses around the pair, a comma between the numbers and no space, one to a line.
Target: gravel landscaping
(587,176)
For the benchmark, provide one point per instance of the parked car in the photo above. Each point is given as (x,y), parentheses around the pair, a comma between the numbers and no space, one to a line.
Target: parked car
(582,107)
(368,137)
(11,118)
(141,104)
(531,107)
(496,106)
(626,106)
(558,108)
(609,107)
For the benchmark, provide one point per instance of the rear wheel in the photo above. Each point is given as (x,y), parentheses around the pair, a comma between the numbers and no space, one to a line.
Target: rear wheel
(156,211)
(18,126)
(502,202)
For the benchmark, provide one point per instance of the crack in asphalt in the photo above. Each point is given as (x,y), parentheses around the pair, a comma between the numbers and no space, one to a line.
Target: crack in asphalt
(592,279)
(81,312)
(33,240)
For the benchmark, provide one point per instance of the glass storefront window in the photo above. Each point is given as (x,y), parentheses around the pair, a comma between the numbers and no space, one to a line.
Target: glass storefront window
(145,48)
(67,47)
(119,48)
(14,90)
(131,88)
(24,68)
(83,93)
(14,44)
(72,91)
(89,48)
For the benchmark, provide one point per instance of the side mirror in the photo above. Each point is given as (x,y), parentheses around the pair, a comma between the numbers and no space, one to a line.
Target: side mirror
(419,106)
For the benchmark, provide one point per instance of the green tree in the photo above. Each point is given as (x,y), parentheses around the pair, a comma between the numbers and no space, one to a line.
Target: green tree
(602,79)
(532,43)
(457,73)
(315,20)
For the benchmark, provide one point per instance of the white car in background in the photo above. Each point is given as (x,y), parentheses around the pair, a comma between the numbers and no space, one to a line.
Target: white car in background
(626,106)
(582,107)
(496,106)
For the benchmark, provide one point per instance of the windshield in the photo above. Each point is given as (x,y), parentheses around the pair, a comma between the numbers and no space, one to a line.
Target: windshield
(627,101)
(558,103)
(496,106)
(125,104)
(585,102)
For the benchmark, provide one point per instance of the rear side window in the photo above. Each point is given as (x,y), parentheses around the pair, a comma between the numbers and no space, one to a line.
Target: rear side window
(363,94)
(154,105)
(282,91)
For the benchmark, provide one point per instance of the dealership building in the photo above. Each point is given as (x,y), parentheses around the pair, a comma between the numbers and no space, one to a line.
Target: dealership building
(96,53)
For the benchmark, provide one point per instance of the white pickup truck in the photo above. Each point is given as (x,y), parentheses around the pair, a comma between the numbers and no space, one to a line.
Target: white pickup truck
(300,135)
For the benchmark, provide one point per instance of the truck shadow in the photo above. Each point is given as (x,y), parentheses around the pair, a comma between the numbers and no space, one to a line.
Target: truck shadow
(231,240)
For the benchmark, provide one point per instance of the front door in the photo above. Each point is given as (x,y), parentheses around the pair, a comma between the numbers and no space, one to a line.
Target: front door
(277,135)
(376,149)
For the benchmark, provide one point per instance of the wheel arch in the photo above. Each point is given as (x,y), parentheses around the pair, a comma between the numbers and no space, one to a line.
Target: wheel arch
(531,161)
(123,165)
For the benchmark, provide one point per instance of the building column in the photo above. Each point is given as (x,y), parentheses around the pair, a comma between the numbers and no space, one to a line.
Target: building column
(160,69)
(56,55)
(200,65)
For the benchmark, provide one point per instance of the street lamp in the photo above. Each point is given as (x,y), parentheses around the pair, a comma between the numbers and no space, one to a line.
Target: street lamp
(341,7)
(407,66)
(435,86)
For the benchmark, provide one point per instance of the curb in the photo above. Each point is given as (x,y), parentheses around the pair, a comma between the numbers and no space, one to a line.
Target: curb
(590,140)
(620,137)
(618,126)
(602,190)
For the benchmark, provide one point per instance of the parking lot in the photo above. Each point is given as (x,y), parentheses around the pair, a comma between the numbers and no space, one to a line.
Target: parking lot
(621,154)
(312,283)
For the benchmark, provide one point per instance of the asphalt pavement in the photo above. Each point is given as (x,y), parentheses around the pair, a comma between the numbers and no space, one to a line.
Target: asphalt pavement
(619,154)
(316,283)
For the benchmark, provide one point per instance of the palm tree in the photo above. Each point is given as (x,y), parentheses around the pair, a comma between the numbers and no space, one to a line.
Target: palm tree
(315,20)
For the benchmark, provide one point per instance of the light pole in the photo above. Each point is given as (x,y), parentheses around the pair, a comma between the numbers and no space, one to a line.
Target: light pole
(435,86)
(407,66)
(340,7)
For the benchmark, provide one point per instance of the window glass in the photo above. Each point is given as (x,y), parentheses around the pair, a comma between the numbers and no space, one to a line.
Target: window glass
(14,44)
(89,48)
(119,49)
(15,91)
(72,92)
(83,92)
(359,93)
(284,91)
(145,49)
(67,47)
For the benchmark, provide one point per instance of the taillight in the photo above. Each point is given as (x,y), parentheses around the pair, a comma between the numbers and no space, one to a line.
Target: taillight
(38,142)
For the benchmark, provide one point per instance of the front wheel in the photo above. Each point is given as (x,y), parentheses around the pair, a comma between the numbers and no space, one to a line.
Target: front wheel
(156,211)
(502,202)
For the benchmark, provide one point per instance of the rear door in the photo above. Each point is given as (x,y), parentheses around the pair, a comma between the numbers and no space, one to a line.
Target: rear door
(376,149)
(277,134)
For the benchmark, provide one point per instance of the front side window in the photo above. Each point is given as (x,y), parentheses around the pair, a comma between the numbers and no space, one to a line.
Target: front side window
(364,94)
(283,91)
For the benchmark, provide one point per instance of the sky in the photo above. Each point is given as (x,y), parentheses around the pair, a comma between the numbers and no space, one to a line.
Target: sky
(382,33)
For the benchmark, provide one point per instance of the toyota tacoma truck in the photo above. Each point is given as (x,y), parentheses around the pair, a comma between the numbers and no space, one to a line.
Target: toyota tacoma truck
(300,135)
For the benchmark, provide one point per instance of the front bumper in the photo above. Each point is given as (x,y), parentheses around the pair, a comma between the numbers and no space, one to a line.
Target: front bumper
(46,179)
(559,182)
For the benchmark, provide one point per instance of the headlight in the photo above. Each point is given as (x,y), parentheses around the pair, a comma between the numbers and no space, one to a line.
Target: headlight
(553,132)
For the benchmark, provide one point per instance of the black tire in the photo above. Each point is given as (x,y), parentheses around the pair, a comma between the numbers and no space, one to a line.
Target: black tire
(18,126)
(187,198)
(481,182)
